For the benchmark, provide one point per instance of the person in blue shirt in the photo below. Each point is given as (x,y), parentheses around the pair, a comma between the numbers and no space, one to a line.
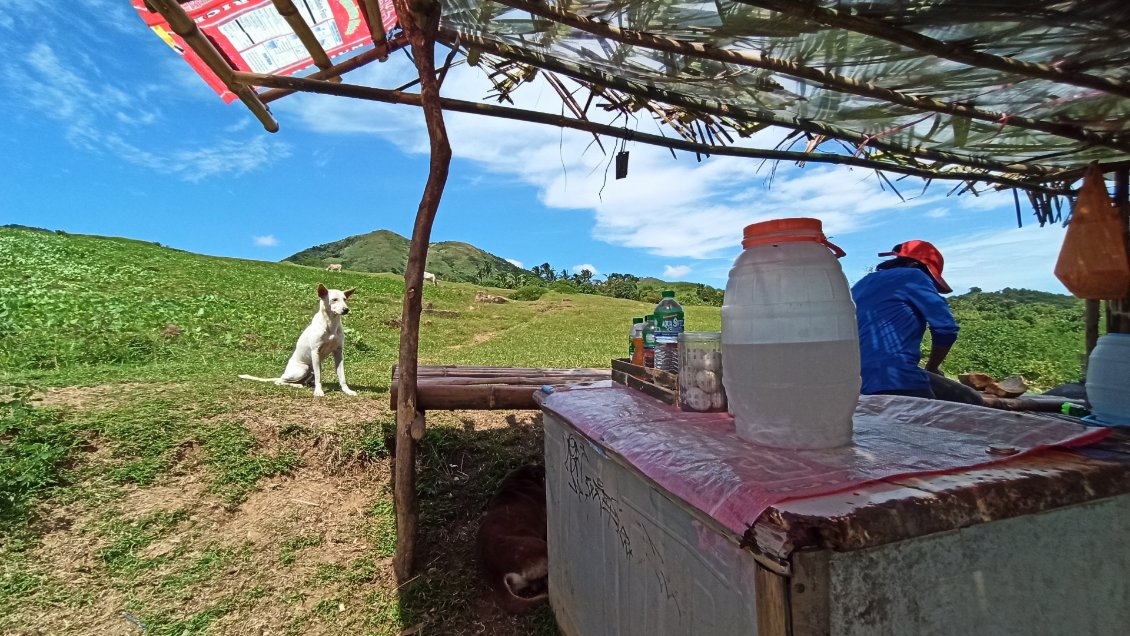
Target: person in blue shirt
(894,305)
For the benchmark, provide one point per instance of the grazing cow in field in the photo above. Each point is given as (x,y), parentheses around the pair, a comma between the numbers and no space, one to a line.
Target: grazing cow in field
(428,276)
(333,267)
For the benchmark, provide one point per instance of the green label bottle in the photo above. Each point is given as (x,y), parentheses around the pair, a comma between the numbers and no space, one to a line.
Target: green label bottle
(649,341)
(669,324)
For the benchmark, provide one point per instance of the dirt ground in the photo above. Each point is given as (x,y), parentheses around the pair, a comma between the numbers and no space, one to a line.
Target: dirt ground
(308,552)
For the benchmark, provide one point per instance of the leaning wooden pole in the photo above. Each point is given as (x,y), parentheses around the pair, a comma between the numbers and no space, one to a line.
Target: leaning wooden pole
(420,20)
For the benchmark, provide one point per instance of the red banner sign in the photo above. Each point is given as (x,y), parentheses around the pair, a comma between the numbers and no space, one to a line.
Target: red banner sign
(254,37)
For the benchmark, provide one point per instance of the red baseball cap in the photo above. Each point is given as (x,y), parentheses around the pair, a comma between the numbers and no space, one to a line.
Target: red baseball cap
(924,252)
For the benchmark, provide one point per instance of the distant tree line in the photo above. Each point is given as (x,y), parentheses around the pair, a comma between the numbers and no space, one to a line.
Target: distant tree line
(534,282)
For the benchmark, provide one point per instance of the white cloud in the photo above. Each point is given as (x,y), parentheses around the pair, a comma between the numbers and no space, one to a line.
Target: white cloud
(577,269)
(239,125)
(100,116)
(516,263)
(229,157)
(268,240)
(1017,257)
(675,272)
(679,209)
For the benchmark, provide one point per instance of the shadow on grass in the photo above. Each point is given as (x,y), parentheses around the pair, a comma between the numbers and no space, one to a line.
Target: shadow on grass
(460,463)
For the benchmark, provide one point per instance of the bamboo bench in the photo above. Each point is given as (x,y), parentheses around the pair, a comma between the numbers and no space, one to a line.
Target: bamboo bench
(456,387)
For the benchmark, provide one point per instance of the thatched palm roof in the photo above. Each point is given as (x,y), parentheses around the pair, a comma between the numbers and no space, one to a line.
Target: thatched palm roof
(1021,93)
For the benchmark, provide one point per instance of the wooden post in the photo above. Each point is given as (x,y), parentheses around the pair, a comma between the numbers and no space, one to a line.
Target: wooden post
(771,592)
(810,594)
(1091,325)
(420,21)
(1120,309)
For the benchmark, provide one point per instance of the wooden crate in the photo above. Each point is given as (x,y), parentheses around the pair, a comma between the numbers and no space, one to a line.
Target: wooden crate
(659,384)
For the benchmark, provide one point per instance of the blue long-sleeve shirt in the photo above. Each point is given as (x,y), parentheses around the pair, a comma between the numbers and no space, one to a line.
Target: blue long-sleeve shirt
(893,308)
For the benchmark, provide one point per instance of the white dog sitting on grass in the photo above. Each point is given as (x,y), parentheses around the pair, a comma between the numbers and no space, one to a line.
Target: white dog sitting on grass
(322,337)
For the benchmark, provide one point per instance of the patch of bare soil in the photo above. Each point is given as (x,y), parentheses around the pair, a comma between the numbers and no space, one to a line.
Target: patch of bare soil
(307,553)
(99,395)
(327,512)
(276,546)
(482,337)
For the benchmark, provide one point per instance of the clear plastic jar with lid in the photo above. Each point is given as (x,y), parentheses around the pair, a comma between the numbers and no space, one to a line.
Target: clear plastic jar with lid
(700,371)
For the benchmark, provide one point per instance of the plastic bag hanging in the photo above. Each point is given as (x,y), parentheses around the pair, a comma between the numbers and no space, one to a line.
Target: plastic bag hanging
(1093,262)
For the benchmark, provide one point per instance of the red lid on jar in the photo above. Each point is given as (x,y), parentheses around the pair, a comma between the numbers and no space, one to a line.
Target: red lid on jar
(793,230)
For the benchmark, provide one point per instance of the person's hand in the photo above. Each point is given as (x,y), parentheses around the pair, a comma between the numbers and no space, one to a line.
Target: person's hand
(935,371)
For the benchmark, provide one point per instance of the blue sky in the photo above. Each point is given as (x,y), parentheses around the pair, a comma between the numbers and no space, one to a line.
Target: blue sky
(107,131)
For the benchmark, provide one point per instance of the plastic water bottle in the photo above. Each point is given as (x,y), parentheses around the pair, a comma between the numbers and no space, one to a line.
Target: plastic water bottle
(790,346)
(668,326)
(649,341)
(635,342)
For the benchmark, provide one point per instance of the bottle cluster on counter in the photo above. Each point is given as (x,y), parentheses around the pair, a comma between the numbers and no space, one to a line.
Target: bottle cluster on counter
(659,341)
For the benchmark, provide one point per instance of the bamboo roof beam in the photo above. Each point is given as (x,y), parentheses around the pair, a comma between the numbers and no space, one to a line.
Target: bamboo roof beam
(183,26)
(721,109)
(290,13)
(371,11)
(398,97)
(924,44)
(1076,173)
(337,70)
(837,82)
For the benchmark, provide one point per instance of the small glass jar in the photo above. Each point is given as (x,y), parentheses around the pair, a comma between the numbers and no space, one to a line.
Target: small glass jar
(700,371)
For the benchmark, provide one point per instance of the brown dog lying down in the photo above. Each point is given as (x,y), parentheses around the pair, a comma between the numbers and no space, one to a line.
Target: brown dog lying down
(512,546)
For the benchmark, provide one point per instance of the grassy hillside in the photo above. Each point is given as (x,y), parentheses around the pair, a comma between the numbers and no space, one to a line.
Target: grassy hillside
(138,475)
(1019,331)
(385,251)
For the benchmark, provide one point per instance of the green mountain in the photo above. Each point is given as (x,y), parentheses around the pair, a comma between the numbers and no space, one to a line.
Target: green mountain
(385,251)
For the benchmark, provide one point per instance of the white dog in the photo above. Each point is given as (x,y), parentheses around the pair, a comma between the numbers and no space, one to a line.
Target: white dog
(322,337)
(430,276)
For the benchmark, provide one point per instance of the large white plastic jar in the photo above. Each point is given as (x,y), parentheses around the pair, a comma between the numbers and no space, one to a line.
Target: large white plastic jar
(1108,379)
(790,347)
